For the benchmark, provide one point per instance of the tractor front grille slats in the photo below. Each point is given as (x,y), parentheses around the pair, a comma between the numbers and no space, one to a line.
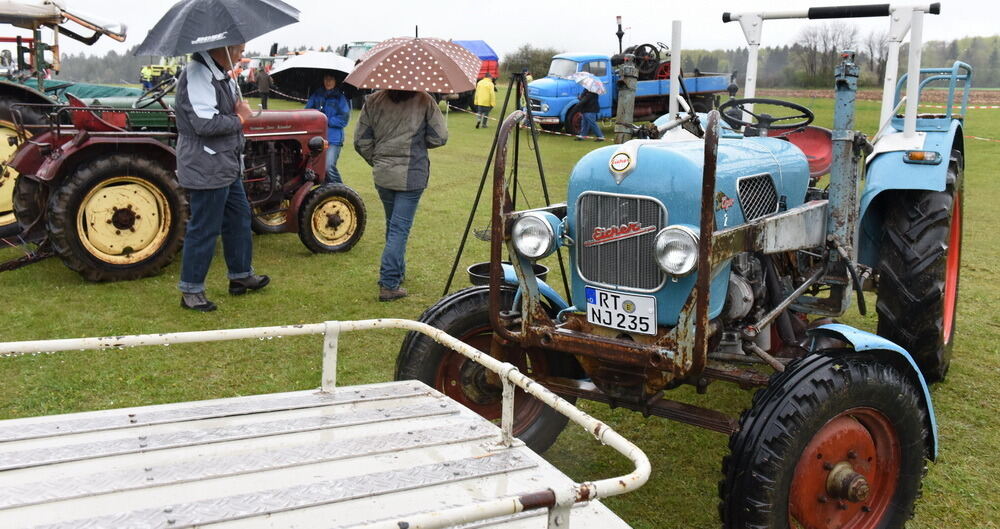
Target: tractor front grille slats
(626,263)
(757,195)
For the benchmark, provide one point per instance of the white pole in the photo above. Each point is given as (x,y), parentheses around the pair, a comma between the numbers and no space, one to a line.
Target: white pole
(913,75)
(675,68)
(889,86)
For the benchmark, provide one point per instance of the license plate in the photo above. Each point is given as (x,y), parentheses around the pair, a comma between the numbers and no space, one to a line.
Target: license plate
(626,312)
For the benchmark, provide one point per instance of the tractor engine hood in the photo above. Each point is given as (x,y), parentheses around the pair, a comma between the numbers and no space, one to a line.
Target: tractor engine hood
(307,123)
(553,87)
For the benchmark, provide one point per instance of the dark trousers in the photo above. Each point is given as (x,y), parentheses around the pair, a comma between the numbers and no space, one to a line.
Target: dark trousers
(214,212)
(263,99)
(400,210)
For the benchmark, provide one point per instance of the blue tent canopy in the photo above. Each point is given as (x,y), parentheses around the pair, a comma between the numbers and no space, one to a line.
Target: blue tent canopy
(480,48)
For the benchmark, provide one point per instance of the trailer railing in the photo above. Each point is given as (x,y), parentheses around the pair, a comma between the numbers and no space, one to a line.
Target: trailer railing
(558,501)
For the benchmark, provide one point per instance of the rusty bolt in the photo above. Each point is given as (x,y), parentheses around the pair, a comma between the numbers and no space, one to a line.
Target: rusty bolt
(131,230)
(851,454)
(109,221)
(118,232)
(865,508)
(822,499)
(841,505)
(827,466)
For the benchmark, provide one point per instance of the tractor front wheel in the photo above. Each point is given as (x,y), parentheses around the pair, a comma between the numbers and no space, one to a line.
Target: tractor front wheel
(332,219)
(837,441)
(465,315)
(117,218)
(921,254)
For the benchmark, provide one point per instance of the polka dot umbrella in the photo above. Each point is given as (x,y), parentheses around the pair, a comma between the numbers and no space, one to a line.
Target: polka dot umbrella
(417,65)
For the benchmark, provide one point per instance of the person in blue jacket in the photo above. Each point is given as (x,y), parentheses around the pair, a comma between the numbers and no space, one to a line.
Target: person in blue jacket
(332,102)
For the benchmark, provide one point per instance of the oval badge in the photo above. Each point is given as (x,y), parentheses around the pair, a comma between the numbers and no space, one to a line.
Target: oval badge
(620,162)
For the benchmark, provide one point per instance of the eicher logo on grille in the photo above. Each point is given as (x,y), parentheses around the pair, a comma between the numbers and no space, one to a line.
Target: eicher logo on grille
(603,235)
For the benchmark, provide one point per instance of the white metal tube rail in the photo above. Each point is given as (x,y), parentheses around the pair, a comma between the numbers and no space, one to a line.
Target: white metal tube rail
(554,500)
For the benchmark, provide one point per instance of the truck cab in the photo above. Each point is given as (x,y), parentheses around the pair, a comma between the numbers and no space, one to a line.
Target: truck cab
(554,96)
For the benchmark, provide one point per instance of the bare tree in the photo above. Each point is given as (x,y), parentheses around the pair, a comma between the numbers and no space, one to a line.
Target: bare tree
(820,46)
(877,46)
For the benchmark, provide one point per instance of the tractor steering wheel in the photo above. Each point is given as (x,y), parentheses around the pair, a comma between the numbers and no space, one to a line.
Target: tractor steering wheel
(763,121)
(156,93)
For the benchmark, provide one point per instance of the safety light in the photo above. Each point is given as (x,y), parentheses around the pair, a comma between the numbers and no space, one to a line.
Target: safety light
(924,157)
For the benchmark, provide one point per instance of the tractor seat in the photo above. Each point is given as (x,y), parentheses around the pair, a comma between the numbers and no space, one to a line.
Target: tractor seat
(94,120)
(815,142)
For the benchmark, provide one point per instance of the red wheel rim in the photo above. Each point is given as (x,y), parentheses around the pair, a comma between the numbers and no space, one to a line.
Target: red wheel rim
(455,371)
(847,475)
(953,263)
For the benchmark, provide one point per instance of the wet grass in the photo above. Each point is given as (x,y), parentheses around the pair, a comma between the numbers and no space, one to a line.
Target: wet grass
(46,300)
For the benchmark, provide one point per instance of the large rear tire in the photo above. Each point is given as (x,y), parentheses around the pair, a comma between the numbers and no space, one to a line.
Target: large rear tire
(465,315)
(118,218)
(8,176)
(919,266)
(837,441)
(332,219)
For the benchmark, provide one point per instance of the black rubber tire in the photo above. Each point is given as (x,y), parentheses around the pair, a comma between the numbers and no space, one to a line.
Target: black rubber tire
(30,197)
(574,121)
(458,314)
(261,227)
(9,225)
(342,197)
(912,270)
(66,202)
(784,417)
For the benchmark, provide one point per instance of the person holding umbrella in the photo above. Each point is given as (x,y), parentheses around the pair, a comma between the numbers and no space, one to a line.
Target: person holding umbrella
(398,124)
(210,112)
(331,101)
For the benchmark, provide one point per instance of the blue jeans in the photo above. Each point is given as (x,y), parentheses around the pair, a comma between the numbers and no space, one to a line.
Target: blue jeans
(332,174)
(590,122)
(223,211)
(400,209)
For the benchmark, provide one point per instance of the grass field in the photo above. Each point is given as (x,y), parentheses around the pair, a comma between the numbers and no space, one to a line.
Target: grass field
(46,300)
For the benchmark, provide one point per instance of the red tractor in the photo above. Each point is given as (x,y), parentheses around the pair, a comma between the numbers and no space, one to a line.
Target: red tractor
(97,182)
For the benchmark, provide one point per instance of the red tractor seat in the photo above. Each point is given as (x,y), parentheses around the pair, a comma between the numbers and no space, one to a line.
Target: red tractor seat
(815,142)
(94,120)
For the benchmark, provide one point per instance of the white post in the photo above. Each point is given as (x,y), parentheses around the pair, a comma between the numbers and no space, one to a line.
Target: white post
(753,26)
(675,68)
(913,75)
(899,25)
(331,337)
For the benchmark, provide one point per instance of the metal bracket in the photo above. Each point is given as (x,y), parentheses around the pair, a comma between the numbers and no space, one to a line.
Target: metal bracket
(560,510)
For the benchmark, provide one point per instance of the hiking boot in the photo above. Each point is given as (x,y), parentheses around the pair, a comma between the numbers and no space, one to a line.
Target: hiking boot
(598,139)
(197,301)
(477,124)
(385,294)
(238,287)
(578,138)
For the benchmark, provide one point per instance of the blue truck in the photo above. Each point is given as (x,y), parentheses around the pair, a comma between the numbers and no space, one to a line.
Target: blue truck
(554,97)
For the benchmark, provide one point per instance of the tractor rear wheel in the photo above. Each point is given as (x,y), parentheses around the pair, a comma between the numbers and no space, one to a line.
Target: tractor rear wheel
(837,441)
(8,176)
(118,218)
(332,219)
(270,218)
(919,263)
(466,316)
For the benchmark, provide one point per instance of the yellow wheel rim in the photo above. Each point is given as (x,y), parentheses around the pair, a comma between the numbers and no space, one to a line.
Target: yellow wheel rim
(278,218)
(123,220)
(334,221)
(7,174)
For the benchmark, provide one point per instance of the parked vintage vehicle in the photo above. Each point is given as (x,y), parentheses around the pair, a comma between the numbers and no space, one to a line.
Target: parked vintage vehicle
(712,255)
(97,183)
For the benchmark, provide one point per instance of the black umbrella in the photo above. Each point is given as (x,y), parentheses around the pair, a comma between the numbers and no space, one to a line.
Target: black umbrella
(199,25)
(300,75)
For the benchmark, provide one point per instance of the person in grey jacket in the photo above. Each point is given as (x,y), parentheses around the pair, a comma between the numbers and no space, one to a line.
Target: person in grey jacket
(394,132)
(210,141)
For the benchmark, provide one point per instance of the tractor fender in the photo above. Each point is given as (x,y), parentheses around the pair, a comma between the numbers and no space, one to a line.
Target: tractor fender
(510,278)
(296,205)
(24,94)
(888,172)
(879,346)
(75,152)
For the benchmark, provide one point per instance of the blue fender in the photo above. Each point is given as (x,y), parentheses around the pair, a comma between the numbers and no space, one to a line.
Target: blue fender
(510,277)
(866,341)
(888,172)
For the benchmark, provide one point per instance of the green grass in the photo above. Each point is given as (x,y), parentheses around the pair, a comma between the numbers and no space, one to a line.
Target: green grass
(46,300)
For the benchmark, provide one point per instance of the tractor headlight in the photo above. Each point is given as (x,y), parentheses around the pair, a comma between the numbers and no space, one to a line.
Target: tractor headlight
(676,250)
(534,234)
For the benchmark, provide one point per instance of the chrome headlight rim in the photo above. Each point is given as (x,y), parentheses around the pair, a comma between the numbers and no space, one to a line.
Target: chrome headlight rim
(689,236)
(536,220)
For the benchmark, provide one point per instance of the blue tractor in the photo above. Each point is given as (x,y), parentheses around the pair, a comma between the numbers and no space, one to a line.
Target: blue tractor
(721,253)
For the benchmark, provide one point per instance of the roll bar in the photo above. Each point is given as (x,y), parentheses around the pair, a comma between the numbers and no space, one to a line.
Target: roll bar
(903,19)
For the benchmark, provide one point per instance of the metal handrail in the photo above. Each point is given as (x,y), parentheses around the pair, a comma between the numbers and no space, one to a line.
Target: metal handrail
(951,75)
(556,500)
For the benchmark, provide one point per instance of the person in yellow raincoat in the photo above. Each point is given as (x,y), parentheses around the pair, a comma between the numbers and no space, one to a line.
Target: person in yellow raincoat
(485,100)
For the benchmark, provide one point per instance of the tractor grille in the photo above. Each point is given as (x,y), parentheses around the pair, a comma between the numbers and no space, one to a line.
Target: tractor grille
(536,105)
(619,262)
(757,196)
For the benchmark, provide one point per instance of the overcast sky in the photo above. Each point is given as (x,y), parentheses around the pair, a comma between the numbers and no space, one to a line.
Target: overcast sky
(579,25)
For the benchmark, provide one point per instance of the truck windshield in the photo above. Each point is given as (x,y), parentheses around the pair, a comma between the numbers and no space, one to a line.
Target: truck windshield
(562,67)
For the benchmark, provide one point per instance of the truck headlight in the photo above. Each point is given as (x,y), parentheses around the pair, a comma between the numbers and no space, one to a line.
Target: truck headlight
(534,234)
(545,107)
(676,250)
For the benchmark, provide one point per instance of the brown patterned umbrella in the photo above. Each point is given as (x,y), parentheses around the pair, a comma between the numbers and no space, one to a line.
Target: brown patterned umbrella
(417,65)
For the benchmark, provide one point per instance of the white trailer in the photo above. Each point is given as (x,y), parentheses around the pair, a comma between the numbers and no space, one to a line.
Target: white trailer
(396,455)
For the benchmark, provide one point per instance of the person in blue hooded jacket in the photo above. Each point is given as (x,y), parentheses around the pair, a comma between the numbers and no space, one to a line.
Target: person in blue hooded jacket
(332,102)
